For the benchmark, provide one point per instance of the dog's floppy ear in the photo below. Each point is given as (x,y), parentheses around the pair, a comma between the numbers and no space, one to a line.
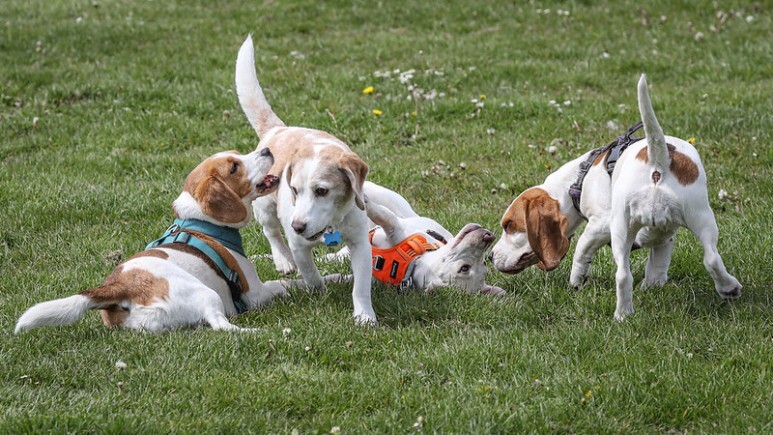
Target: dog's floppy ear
(355,170)
(220,201)
(546,229)
(289,174)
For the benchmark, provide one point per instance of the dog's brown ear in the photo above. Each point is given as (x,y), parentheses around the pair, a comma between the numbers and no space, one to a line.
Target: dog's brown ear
(355,170)
(220,201)
(546,229)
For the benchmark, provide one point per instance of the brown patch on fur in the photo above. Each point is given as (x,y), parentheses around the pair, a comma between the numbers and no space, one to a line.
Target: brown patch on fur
(683,168)
(538,215)
(601,157)
(157,253)
(225,254)
(296,143)
(218,191)
(137,286)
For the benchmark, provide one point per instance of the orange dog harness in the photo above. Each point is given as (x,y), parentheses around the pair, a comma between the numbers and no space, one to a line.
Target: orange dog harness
(393,265)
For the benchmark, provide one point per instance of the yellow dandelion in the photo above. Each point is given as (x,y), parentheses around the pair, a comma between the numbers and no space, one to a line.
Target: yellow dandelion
(482,96)
(691,140)
(367,91)
(414,113)
(376,112)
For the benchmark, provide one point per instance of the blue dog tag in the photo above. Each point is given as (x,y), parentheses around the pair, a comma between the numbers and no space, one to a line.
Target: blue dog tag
(332,239)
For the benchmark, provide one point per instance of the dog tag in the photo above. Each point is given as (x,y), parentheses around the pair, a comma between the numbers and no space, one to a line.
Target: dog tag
(332,239)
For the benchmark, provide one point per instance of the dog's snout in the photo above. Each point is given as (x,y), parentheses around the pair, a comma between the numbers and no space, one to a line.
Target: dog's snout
(299,227)
(265,152)
(488,237)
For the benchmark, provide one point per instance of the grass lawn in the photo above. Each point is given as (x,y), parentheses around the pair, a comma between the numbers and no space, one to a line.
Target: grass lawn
(106,105)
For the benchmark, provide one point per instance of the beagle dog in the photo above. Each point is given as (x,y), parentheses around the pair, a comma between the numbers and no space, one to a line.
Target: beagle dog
(197,272)
(417,252)
(319,196)
(656,186)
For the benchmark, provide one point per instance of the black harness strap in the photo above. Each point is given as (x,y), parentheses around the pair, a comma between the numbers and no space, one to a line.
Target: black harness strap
(615,149)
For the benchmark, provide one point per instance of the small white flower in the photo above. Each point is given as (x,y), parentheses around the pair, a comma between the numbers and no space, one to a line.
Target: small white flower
(361,78)
(749,18)
(474,101)
(480,104)
(491,131)
(567,103)
(552,102)
(532,147)
(699,36)
(286,332)
(335,429)
(35,121)
(120,365)
(78,20)
(605,55)
(722,194)
(552,149)
(502,186)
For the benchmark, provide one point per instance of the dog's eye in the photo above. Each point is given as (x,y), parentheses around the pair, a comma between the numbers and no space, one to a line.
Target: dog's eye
(464,269)
(235,167)
(320,191)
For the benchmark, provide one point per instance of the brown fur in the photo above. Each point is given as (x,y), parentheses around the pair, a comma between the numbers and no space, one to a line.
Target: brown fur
(137,286)
(538,215)
(218,191)
(683,168)
(601,157)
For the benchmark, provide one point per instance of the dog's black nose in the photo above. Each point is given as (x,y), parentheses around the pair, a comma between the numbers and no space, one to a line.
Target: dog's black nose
(299,227)
(265,152)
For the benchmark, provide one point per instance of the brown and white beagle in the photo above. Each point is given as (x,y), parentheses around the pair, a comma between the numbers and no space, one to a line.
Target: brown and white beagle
(656,186)
(197,273)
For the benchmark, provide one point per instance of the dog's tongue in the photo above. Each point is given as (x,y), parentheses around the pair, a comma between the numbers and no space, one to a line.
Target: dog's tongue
(268,182)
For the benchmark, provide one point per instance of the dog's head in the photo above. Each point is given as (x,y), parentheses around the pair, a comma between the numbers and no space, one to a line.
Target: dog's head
(324,186)
(534,232)
(461,262)
(222,187)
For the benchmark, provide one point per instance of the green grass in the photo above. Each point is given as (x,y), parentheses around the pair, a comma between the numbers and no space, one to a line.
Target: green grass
(129,96)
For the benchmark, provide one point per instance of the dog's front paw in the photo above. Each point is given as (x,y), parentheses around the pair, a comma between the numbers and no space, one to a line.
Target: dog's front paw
(365,317)
(622,312)
(732,291)
(337,278)
(577,281)
(284,265)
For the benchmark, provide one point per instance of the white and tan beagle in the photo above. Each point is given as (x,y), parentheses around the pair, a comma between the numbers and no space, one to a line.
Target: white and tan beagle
(417,252)
(319,196)
(657,186)
(197,272)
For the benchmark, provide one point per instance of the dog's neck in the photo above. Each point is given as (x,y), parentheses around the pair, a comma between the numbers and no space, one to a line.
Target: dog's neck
(557,186)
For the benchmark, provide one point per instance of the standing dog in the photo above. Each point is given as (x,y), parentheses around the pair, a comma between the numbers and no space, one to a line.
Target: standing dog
(415,251)
(657,186)
(197,272)
(320,192)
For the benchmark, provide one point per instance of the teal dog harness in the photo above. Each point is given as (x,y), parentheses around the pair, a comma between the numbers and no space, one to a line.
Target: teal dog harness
(183,231)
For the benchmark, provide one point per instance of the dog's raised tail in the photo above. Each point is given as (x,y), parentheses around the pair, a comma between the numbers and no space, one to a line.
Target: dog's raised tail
(57,312)
(657,150)
(251,97)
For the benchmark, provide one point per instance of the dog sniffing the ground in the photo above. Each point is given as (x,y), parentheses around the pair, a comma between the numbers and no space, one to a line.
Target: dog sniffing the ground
(656,186)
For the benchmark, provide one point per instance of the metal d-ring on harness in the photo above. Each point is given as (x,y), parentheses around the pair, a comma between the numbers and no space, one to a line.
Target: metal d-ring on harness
(228,237)
(615,149)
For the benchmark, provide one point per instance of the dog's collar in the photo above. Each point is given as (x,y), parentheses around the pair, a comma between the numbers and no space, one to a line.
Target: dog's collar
(395,265)
(185,231)
(615,149)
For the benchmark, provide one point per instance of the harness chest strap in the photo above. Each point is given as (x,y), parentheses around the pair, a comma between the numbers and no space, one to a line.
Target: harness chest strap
(392,265)
(212,248)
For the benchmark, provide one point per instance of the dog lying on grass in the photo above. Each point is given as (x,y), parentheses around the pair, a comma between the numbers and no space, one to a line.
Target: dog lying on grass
(655,187)
(417,252)
(197,272)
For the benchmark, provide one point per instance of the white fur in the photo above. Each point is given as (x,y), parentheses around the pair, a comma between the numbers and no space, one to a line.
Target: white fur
(336,210)
(633,208)
(440,268)
(196,294)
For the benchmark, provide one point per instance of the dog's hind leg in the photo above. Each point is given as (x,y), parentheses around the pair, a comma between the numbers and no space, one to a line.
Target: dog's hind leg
(622,240)
(704,226)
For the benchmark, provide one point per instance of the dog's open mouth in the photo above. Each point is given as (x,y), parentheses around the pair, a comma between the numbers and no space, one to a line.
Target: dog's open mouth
(315,236)
(526,260)
(269,183)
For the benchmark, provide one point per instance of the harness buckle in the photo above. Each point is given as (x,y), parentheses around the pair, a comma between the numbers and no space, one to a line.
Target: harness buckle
(378,262)
(181,237)
(407,283)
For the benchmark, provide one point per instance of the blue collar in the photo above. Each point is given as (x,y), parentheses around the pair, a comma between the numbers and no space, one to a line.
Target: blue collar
(226,236)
